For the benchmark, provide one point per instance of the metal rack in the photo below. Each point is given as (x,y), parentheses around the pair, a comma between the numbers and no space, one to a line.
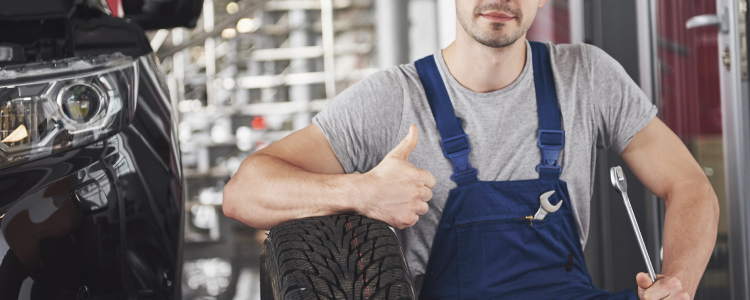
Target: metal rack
(249,74)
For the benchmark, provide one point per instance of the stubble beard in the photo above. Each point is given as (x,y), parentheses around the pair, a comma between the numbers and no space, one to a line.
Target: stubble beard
(494,39)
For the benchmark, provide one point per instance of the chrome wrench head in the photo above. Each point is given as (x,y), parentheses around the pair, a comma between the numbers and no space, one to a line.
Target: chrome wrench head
(546,207)
(618,179)
(544,201)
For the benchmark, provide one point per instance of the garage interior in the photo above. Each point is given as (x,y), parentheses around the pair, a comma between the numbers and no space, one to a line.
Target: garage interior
(253,71)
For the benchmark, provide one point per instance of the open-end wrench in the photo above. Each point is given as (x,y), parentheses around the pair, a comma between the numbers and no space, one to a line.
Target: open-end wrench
(545,207)
(621,185)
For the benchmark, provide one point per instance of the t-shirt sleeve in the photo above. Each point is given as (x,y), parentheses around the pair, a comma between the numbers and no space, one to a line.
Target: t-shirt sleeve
(620,108)
(362,122)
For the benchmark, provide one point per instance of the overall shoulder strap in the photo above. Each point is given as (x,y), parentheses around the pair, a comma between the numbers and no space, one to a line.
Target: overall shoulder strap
(551,137)
(454,141)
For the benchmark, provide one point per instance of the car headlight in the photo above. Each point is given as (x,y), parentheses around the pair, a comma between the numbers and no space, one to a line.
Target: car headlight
(50,107)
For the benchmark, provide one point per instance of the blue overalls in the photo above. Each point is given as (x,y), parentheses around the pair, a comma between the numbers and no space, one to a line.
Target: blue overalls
(487,246)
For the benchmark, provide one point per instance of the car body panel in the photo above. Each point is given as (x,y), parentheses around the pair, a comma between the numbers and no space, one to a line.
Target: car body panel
(100,221)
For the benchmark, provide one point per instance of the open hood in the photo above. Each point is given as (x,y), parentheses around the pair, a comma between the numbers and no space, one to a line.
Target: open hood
(162,14)
(149,14)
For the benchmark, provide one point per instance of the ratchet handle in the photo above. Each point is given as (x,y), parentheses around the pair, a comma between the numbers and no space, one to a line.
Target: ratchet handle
(638,236)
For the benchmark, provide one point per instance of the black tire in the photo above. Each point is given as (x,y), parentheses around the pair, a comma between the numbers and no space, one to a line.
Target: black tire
(334,257)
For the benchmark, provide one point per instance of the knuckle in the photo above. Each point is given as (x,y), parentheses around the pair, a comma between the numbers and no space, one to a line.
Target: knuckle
(415,208)
(417,194)
(684,296)
(428,194)
(401,224)
(420,176)
(407,220)
(424,194)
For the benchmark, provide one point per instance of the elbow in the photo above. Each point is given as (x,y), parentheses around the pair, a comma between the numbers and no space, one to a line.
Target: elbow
(235,199)
(229,205)
(243,198)
(716,208)
(711,202)
(698,196)
(237,204)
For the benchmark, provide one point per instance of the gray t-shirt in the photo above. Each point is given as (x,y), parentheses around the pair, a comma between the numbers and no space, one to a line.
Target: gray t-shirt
(601,108)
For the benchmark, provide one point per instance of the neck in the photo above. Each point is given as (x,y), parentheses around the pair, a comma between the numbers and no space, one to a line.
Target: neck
(481,68)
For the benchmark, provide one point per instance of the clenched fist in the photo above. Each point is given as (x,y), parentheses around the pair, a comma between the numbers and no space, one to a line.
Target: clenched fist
(666,287)
(395,191)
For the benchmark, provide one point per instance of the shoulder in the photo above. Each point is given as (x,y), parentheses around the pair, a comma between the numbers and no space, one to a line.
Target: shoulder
(407,73)
(384,87)
(570,63)
(576,51)
(583,60)
(592,56)
(566,56)
(389,80)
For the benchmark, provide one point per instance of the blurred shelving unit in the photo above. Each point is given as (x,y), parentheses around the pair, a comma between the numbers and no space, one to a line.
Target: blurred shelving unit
(250,73)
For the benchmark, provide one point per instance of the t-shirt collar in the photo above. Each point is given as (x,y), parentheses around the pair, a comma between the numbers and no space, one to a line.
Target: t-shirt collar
(457,86)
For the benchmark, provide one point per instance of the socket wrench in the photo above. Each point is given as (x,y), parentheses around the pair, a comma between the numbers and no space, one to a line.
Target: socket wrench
(621,186)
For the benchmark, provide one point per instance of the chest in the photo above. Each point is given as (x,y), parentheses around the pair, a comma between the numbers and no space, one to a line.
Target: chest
(503,135)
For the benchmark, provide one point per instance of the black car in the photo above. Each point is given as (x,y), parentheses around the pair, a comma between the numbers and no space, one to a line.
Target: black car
(91,193)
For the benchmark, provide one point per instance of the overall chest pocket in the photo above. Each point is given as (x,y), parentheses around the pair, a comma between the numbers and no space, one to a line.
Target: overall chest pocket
(512,256)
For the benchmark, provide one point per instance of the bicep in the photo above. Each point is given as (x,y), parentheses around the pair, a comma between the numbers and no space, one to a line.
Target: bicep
(660,160)
(307,149)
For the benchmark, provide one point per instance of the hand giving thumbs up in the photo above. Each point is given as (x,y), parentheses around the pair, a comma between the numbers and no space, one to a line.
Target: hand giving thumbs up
(398,191)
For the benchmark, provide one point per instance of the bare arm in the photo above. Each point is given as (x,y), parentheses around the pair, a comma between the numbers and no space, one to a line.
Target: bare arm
(662,162)
(299,176)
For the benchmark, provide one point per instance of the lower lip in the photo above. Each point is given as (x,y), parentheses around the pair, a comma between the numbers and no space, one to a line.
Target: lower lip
(498,19)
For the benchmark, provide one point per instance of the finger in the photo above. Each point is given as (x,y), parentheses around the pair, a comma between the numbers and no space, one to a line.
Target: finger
(423,208)
(426,194)
(662,288)
(416,219)
(429,180)
(407,145)
(643,280)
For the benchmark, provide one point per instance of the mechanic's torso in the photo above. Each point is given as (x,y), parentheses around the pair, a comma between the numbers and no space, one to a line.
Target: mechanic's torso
(599,103)
(502,126)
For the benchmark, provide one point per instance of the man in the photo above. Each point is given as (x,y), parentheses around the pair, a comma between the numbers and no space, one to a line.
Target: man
(350,160)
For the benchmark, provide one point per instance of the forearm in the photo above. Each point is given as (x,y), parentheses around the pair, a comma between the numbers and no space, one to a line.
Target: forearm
(267,191)
(690,228)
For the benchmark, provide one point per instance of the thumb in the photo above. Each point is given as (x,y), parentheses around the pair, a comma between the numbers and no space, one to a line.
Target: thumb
(643,280)
(407,145)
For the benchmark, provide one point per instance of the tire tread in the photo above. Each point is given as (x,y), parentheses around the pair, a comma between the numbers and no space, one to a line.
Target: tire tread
(334,257)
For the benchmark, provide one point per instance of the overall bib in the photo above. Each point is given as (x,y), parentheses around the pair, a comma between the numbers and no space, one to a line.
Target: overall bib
(487,246)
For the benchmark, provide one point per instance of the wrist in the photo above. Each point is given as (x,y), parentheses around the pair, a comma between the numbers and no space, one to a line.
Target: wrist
(348,192)
(688,280)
